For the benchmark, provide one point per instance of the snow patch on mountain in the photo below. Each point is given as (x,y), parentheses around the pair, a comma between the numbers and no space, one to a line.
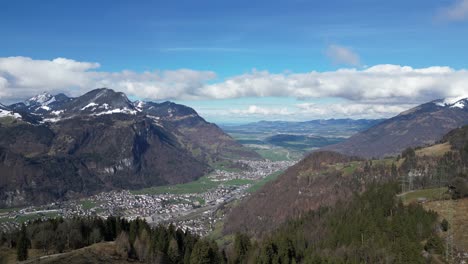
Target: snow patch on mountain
(7,113)
(460,104)
(57,113)
(89,106)
(124,110)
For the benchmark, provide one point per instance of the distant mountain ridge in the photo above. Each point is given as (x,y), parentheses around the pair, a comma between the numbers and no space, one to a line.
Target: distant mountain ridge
(321,127)
(419,126)
(56,147)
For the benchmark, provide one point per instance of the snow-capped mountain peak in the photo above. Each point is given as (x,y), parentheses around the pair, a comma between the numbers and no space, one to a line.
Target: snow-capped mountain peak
(41,99)
(139,105)
(463,103)
(459,103)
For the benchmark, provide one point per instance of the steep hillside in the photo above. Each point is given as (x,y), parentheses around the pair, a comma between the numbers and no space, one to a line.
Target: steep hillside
(320,179)
(372,227)
(81,156)
(69,147)
(422,125)
(324,178)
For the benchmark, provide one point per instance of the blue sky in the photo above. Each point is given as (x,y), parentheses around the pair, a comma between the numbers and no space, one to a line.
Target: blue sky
(231,39)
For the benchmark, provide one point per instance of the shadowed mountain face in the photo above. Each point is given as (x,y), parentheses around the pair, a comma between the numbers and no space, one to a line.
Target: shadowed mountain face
(102,141)
(422,125)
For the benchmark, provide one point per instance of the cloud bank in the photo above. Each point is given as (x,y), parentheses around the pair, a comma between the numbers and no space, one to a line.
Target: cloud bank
(378,89)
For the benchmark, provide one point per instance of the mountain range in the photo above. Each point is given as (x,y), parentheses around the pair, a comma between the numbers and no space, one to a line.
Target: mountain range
(54,147)
(319,127)
(419,126)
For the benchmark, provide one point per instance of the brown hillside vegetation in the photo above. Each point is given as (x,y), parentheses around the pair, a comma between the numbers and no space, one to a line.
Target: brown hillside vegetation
(435,150)
(457,212)
(319,180)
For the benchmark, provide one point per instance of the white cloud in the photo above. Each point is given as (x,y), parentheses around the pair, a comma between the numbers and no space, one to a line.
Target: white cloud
(157,85)
(21,77)
(380,83)
(258,110)
(458,11)
(307,111)
(203,49)
(351,110)
(343,55)
(375,91)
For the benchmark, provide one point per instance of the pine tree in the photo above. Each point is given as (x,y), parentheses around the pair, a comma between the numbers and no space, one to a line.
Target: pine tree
(205,252)
(173,251)
(23,244)
(241,247)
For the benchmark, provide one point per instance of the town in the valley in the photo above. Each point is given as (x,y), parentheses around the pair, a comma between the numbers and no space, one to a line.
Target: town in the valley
(198,209)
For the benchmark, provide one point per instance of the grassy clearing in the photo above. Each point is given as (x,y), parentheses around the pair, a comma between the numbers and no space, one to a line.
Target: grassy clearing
(263,181)
(9,254)
(430,194)
(7,210)
(88,204)
(238,182)
(217,235)
(457,210)
(225,166)
(201,185)
(386,162)
(200,200)
(349,168)
(30,217)
(435,150)
(104,252)
(275,154)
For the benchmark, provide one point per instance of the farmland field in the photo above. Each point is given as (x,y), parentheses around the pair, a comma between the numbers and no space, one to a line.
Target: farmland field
(429,194)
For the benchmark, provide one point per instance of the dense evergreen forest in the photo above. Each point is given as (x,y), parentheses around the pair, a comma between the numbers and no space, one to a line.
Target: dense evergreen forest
(133,240)
(374,227)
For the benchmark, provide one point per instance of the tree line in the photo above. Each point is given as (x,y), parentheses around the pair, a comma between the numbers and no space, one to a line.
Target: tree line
(133,240)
